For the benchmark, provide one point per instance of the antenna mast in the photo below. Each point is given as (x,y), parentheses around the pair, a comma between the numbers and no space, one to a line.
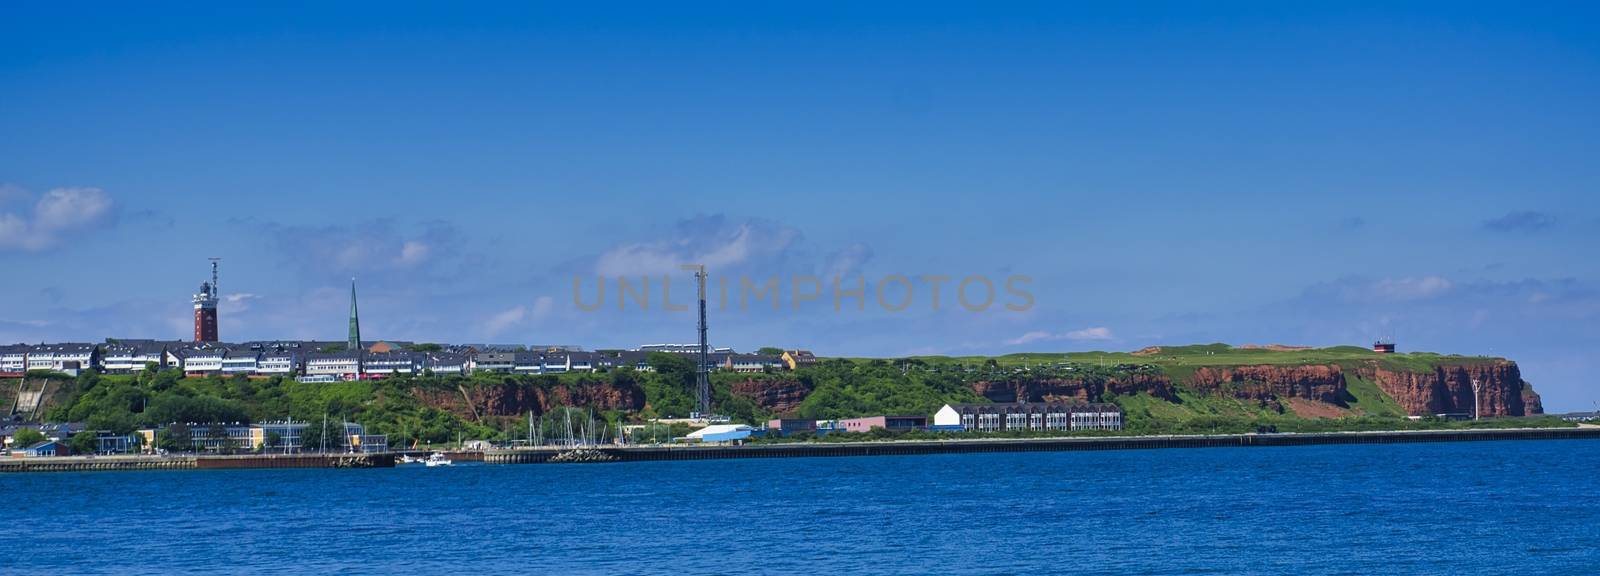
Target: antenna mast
(702,377)
(214,289)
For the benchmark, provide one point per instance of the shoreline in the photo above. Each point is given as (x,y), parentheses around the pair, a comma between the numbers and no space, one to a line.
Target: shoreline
(623,454)
(124,463)
(980,445)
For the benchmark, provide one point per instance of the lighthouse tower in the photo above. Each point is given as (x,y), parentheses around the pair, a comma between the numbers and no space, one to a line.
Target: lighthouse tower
(205,308)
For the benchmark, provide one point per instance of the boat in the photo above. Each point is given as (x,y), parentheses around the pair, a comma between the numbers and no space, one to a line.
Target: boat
(409,459)
(437,459)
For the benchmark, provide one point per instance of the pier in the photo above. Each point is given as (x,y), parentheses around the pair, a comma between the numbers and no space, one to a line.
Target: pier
(979,445)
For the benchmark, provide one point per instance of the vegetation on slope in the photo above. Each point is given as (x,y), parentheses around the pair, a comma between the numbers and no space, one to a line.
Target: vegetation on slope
(837,388)
(1178,361)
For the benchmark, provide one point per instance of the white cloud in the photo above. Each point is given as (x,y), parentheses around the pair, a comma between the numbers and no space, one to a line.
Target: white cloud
(70,208)
(542,306)
(59,212)
(1034,336)
(13,231)
(1408,289)
(705,240)
(518,315)
(374,247)
(505,320)
(1364,290)
(847,262)
(1096,333)
(237,303)
(413,252)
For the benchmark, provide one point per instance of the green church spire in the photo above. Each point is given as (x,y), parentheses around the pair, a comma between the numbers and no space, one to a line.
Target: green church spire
(355,320)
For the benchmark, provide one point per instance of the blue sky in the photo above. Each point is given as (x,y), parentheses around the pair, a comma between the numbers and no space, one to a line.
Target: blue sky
(1165,173)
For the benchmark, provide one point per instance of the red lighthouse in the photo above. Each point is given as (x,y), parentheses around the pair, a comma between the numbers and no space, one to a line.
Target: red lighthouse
(205,308)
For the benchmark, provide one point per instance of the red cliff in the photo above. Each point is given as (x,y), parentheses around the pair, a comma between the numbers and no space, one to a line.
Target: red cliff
(479,400)
(1447,389)
(1074,389)
(1269,383)
(780,396)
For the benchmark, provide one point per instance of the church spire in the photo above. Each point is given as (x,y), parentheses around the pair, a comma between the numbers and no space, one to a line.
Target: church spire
(355,320)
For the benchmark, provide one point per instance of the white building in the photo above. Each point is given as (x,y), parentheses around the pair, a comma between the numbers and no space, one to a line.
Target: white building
(751,363)
(68,358)
(1030,416)
(947,416)
(278,363)
(1097,417)
(241,361)
(446,363)
(528,363)
(681,349)
(197,360)
(344,364)
(498,362)
(386,363)
(721,433)
(125,357)
(14,359)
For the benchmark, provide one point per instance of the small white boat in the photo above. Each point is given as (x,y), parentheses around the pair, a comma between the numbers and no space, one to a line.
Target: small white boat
(437,459)
(409,459)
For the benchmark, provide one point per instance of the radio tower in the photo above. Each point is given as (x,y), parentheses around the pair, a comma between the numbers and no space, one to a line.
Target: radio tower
(702,376)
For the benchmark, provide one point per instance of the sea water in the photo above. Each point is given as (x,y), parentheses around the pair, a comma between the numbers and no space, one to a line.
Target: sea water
(1525,507)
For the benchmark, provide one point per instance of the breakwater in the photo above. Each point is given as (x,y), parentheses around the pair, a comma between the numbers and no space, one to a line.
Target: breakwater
(906,448)
(108,463)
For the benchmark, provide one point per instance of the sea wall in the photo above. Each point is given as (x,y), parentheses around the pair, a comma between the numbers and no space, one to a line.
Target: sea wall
(151,462)
(907,448)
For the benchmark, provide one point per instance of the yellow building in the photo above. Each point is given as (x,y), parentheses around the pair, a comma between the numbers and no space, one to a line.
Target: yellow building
(797,359)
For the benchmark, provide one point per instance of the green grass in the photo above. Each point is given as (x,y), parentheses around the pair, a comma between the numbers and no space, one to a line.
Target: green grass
(1369,400)
(1179,362)
(1147,407)
(1144,409)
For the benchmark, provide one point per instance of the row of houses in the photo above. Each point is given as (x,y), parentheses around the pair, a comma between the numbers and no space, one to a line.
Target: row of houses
(320,361)
(1009,417)
(277,437)
(69,358)
(380,364)
(1030,416)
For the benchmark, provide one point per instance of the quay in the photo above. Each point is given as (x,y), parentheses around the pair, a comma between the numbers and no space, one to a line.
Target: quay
(906,448)
(141,462)
(796,450)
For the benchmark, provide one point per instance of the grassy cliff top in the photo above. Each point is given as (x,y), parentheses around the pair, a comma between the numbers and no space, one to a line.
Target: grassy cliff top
(1186,358)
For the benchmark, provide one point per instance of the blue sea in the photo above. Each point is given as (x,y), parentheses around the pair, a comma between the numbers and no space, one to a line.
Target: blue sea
(1459,508)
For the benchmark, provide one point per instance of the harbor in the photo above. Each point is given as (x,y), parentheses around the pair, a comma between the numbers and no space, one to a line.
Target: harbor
(153,462)
(588,454)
